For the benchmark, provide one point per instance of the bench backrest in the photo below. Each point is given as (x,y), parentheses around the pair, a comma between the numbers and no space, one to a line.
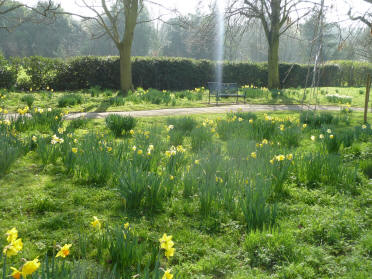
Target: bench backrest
(217,88)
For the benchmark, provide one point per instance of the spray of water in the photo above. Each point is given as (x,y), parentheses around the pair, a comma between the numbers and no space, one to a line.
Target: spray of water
(220,38)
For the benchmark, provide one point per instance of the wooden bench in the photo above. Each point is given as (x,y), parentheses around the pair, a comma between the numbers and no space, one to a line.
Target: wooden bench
(224,90)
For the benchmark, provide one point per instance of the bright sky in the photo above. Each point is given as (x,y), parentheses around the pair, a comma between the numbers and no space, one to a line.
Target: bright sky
(337,13)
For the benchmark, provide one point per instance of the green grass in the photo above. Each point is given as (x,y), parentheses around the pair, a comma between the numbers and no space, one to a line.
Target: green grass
(102,102)
(319,232)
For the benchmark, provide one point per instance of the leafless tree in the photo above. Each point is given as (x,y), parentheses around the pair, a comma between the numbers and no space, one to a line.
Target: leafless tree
(366,17)
(276,17)
(10,18)
(117,19)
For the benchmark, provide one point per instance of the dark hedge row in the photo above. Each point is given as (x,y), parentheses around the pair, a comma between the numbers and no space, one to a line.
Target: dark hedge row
(168,73)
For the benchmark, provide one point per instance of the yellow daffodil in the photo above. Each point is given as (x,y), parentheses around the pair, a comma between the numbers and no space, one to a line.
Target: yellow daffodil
(134,148)
(312,138)
(96,223)
(169,252)
(109,149)
(171,177)
(251,121)
(240,119)
(126,225)
(74,150)
(34,138)
(131,132)
(254,155)
(304,125)
(12,235)
(64,251)
(331,136)
(16,274)
(364,126)
(321,136)
(329,131)
(280,158)
(13,248)
(289,157)
(30,267)
(197,162)
(140,152)
(281,127)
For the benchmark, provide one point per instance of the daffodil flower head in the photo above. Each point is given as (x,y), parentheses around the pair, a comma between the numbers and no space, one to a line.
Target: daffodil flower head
(96,223)
(16,274)
(12,235)
(64,251)
(30,267)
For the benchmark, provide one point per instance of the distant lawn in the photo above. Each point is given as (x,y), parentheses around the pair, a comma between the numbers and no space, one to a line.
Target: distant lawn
(101,101)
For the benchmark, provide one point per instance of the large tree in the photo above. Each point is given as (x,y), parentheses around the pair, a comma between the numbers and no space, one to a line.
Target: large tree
(10,18)
(276,17)
(117,19)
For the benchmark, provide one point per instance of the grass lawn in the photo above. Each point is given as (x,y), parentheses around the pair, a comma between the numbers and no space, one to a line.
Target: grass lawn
(242,197)
(94,100)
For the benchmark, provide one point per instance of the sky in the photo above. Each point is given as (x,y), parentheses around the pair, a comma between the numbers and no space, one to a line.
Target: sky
(337,13)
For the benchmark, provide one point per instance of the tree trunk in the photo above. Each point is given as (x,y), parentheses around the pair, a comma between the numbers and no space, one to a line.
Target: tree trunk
(273,64)
(125,47)
(125,68)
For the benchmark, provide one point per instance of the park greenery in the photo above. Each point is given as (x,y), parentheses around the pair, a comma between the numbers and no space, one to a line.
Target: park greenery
(242,195)
(89,191)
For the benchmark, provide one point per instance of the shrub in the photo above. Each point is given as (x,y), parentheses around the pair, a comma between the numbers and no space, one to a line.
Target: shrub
(200,137)
(119,124)
(339,99)
(366,167)
(77,123)
(315,119)
(116,101)
(258,213)
(69,100)
(10,150)
(8,73)
(183,124)
(164,73)
(28,100)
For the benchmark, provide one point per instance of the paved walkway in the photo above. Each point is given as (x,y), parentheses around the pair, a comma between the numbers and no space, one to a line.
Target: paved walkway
(215,109)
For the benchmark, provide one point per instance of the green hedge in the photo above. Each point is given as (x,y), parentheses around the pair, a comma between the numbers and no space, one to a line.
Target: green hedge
(8,74)
(173,73)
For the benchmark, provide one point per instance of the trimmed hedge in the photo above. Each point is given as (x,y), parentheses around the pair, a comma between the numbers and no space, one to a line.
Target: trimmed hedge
(175,73)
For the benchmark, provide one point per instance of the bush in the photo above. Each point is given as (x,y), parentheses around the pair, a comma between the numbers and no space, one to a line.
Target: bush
(366,167)
(174,73)
(258,213)
(116,101)
(69,100)
(119,124)
(338,99)
(316,119)
(200,137)
(28,100)
(10,150)
(182,124)
(8,74)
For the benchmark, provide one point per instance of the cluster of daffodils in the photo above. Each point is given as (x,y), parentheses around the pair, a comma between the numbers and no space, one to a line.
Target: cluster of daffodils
(56,140)
(281,157)
(201,89)
(322,136)
(170,127)
(4,111)
(150,149)
(5,122)
(40,110)
(23,111)
(96,223)
(15,245)
(174,150)
(167,244)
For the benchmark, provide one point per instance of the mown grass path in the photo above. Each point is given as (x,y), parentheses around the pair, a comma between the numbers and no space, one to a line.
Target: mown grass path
(214,109)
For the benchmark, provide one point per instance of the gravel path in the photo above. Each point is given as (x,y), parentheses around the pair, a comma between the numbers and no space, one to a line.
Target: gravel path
(215,109)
